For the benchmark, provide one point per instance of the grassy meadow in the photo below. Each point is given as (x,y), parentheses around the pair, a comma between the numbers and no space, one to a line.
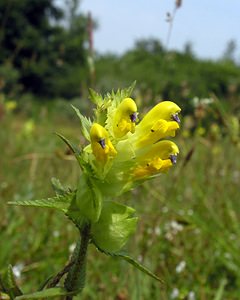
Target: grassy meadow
(189,225)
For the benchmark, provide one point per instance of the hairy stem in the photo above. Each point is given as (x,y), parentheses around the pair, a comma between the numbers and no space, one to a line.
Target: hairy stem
(75,279)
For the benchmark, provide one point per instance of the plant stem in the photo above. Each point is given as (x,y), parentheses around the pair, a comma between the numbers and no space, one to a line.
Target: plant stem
(75,280)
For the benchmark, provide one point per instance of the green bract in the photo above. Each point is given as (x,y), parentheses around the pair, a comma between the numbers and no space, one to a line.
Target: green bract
(115,225)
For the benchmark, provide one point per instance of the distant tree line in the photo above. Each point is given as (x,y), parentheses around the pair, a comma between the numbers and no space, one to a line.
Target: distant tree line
(45,52)
(170,74)
(42,48)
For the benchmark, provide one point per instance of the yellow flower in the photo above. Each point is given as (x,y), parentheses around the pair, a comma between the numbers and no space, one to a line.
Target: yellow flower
(129,152)
(157,159)
(125,118)
(161,121)
(101,145)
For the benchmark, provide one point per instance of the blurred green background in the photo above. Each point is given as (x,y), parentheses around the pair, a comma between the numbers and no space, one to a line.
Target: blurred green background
(189,225)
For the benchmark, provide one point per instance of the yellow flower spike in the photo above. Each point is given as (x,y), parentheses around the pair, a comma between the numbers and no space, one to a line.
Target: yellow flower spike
(158,159)
(125,118)
(101,145)
(161,121)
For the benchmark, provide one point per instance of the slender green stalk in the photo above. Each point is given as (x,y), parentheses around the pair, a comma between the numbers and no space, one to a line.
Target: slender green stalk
(75,280)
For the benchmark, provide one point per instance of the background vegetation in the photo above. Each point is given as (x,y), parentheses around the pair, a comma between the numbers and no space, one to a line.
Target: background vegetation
(189,218)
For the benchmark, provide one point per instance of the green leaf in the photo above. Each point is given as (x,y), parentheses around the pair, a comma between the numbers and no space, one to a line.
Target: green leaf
(48,293)
(95,97)
(58,187)
(76,151)
(60,202)
(133,262)
(9,285)
(138,265)
(114,227)
(87,205)
(86,123)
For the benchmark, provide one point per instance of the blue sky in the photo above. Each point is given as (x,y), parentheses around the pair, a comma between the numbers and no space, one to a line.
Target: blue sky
(208,24)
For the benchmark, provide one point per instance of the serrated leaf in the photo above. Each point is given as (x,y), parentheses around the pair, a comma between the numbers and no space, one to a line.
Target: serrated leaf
(95,97)
(9,285)
(87,205)
(58,187)
(48,293)
(59,202)
(114,226)
(133,262)
(86,123)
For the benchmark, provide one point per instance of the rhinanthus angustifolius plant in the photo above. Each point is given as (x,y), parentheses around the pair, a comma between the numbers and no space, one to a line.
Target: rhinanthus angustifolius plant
(121,152)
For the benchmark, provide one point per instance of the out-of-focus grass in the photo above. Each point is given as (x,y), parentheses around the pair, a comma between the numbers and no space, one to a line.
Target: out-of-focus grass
(188,231)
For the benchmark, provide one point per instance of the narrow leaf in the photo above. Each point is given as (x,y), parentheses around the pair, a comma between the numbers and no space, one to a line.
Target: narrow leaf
(12,288)
(86,123)
(76,151)
(44,284)
(60,202)
(139,266)
(48,293)
(133,262)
